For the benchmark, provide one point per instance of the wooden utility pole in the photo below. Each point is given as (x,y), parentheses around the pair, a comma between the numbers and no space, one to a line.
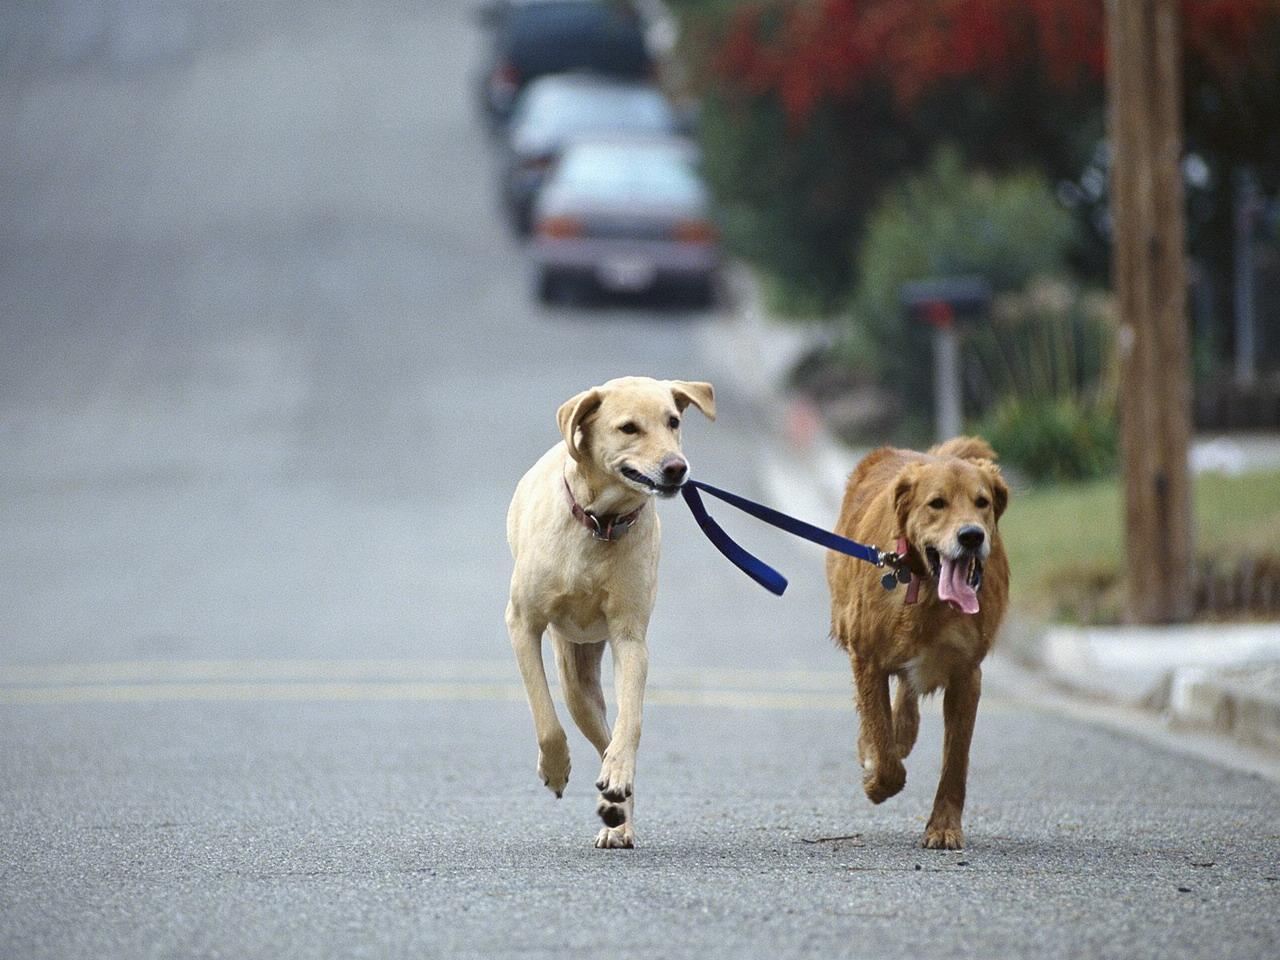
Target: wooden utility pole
(1144,82)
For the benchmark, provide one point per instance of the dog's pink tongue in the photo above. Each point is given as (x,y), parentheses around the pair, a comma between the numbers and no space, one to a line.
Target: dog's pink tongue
(953,586)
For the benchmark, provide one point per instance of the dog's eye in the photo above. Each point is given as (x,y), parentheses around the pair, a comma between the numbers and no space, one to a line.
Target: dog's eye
(937,503)
(674,423)
(982,503)
(629,427)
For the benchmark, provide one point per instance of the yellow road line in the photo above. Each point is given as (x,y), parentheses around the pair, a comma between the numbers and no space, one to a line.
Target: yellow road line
(123,671)
(384,691)
(152,692)
(141,681)
(387,670)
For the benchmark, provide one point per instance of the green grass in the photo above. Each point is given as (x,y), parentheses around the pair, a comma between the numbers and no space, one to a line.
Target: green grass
(1066,541)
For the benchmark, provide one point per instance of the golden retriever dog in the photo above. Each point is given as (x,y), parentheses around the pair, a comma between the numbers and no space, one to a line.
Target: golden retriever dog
(585,544)
(946,504)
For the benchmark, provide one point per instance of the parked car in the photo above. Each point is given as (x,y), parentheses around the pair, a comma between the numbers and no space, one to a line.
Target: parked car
(554,110)
(626,214)
(533,38)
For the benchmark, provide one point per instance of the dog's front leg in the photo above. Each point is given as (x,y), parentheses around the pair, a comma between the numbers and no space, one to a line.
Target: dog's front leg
(553,747)
(618,769)
(959,712)
(883,774)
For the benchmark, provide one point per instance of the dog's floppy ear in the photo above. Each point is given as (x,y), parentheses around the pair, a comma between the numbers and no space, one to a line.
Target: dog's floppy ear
(571,415)
(701,395)
(904,491)
(999,489)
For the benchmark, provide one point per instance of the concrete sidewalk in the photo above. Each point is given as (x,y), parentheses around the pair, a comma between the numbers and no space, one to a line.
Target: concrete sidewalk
(1217,677)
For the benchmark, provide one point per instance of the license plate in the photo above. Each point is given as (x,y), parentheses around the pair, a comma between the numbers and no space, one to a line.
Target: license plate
(626,274)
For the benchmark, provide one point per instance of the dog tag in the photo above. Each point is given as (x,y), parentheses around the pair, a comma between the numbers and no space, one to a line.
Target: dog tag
(889,581)
(904,575)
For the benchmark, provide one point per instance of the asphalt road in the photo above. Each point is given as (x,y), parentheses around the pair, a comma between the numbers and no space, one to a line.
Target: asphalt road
(269,372)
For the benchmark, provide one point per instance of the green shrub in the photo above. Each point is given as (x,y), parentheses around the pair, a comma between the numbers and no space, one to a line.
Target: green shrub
(1053,438)
(1045,371)
(948,221)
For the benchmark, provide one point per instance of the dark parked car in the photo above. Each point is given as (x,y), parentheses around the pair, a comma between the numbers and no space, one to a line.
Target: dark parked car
(533,38)
(626,214)
(556,109)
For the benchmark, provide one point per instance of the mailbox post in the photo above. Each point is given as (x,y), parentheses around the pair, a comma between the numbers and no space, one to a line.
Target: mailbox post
(942,304)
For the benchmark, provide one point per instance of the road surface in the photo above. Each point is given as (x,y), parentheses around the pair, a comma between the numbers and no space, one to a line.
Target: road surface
(270,370)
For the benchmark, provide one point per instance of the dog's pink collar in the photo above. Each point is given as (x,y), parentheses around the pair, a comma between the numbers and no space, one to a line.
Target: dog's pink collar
(607,527)
(913,586)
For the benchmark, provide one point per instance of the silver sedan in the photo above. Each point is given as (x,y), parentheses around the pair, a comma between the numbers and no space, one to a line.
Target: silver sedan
(625,214)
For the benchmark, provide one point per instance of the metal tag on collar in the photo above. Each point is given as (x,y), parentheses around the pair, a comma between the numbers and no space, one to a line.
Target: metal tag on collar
(899,573)
(598,531)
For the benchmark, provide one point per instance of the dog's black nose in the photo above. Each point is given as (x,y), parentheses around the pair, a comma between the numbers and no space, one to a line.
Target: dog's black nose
(971,537)
(674,469)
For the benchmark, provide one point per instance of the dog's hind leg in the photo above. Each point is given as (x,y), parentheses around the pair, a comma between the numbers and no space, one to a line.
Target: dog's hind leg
(630,670)
(553,748)
(579,666)
(906,717)
(622,836)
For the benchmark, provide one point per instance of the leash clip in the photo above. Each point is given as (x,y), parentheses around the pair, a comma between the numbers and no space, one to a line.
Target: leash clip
(899,572)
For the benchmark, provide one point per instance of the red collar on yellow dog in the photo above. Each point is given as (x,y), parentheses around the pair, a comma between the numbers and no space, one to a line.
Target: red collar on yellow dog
(609,526)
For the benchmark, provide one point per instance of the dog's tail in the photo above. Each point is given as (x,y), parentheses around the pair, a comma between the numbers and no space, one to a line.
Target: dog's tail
(966,448)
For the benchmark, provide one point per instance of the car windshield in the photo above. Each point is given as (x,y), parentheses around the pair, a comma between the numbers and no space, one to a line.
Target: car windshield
(555,112)
(653,172)
(556,36)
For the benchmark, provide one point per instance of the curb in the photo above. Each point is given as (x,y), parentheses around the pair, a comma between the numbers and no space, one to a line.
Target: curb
(1137,664)
(1243,702)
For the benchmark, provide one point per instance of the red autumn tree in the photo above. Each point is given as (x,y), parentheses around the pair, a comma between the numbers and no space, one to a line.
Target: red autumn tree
(830,100)
(834,49)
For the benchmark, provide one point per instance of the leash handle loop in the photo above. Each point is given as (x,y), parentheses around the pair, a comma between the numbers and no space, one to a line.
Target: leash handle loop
(752,566)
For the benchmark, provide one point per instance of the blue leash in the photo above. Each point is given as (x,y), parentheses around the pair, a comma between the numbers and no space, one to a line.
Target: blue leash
(754,567)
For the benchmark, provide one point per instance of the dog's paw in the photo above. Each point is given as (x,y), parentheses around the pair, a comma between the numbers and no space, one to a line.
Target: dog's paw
(882,781)
(943,837)
(616,838)
(613,814)
(553,765)
(617,778)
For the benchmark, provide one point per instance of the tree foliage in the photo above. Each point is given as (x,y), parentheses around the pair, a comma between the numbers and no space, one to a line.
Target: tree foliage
(948,221)
(815,106)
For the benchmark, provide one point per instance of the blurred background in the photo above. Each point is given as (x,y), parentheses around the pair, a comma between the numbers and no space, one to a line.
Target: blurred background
(275,351)
(858,148)
(290,291)
(272,272)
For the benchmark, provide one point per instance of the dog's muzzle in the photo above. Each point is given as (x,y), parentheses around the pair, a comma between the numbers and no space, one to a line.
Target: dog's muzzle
(958,577)
(664,488)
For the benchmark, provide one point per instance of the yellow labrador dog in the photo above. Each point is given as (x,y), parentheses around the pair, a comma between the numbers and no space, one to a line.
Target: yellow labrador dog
(585,543)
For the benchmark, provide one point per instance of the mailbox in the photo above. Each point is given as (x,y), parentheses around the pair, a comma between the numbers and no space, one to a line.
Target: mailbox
(946,300)
(944,303)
